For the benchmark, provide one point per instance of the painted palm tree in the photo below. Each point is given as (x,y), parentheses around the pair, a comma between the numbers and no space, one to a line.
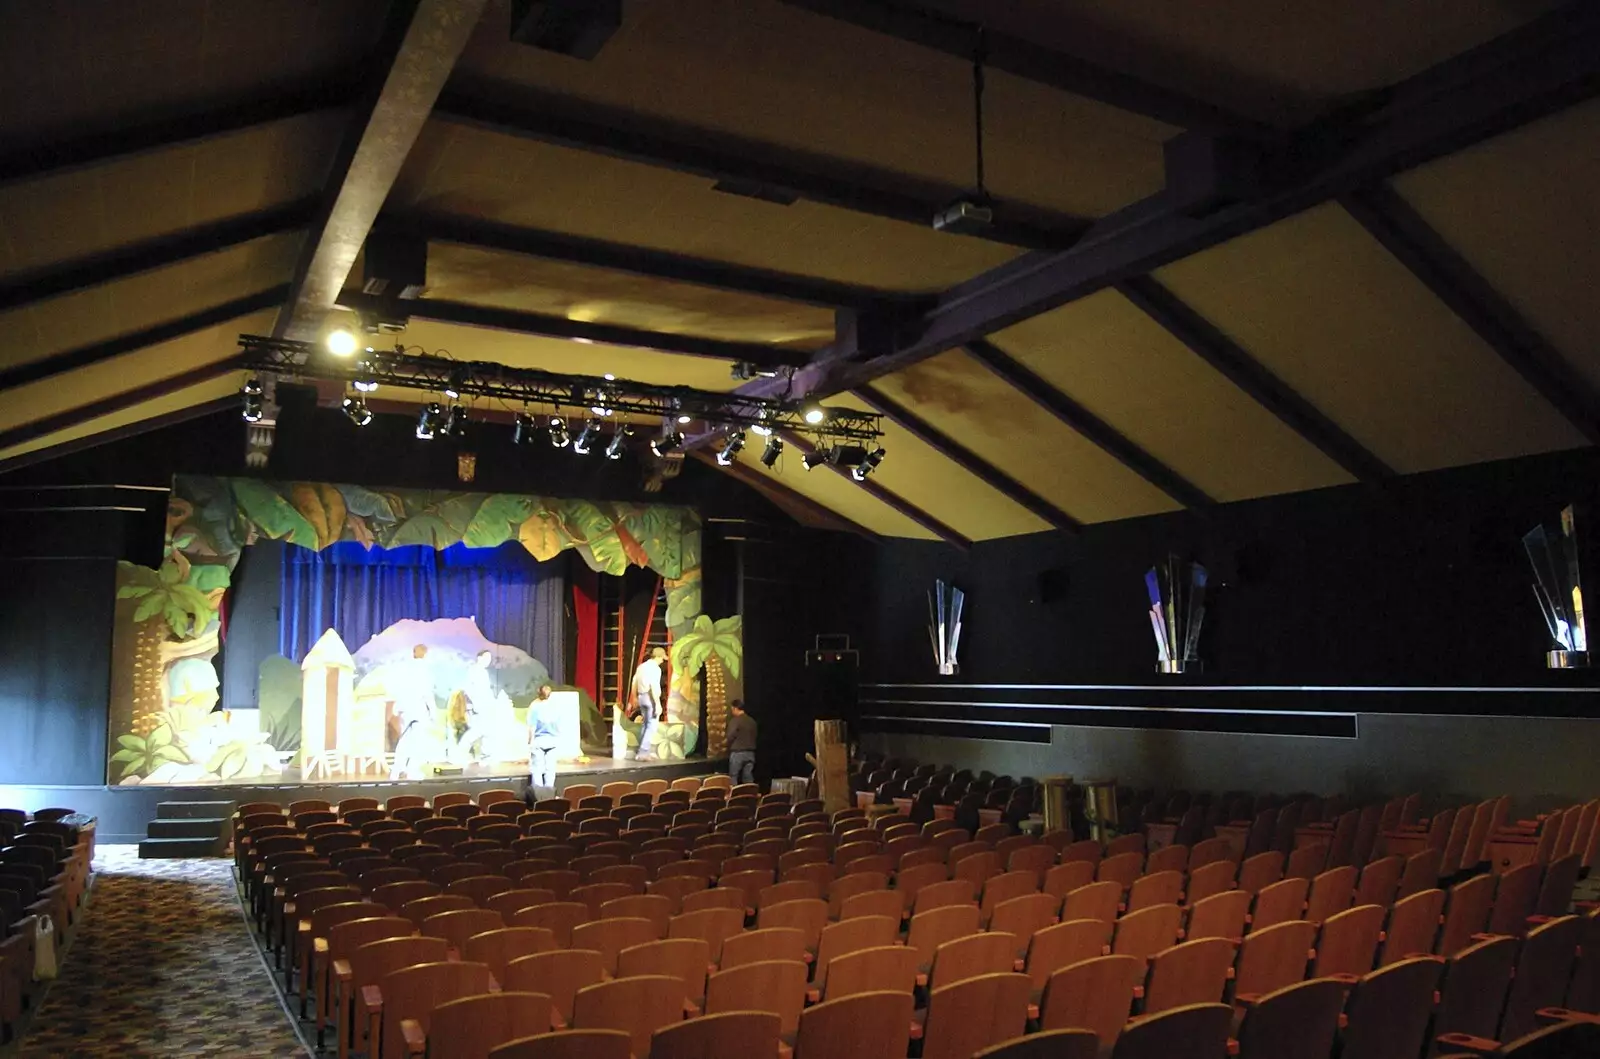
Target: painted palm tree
(718,648)
(168,604)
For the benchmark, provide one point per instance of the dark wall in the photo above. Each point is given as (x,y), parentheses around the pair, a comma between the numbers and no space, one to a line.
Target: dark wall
(1420,581)
(55,668)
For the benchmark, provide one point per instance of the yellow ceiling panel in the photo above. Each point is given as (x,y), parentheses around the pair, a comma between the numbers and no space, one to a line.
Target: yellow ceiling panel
(81,212)
(968,402)
(1326,309)
(98,313)
(1107,355)
(922,476)
(836,493)
(483,174)
(64,67)
(62,393)
(514,281)
(777,74)
(1521,208)
(188,397)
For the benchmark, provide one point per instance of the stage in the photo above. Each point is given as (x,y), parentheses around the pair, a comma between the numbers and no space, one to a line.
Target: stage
(123,813)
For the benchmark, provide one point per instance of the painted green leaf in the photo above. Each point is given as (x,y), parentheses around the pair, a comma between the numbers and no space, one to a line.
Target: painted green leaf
(683,603)
(209,577)
(689,543)
(704,626)
(169,572)
(584,520)
(727,625)
(496,521)
(149,607)
(126,755)
(160,737)
(133,591)
(272,514)
(130,769)
(183,542)
(171,753)
(429,530)
(458,512)
(606,554)
(131,742)
(656,529)
(369,504)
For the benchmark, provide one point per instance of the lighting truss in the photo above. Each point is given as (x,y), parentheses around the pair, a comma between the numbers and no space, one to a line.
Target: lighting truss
(407,370)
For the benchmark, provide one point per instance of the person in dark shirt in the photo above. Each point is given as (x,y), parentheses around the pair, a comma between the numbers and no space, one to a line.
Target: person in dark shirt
(741,745)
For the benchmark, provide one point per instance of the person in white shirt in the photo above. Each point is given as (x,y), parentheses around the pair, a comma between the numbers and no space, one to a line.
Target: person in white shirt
(417,744)
(543,737)
(649,701)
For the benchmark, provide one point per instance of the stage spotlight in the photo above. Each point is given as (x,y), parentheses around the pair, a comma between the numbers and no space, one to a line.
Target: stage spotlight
(559,437)
(455,422)
(813,413)
(760,425)
(428,420)
(342,342)
(860,471)
(458,380)
(685,417)
(250,395)
(669,441)
(522,430)
(619,441)
(586,437)
(355,407)
(847,455)
(814,459)
(364,380)
(770,454)
(730,451)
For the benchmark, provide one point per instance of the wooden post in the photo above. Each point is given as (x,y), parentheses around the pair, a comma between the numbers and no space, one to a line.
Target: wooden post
(832,762)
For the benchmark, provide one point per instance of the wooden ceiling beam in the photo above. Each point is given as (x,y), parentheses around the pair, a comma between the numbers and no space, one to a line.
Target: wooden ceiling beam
(549,326)
(76,416)
(760,170)
(1218,350)
(638,260)
(968,460)
(171,249)
(879,493)
(1392,221)
(796,504)
(1101,434)
(1497,87)
(133,341)
(1033,62)
(419,46)
(21,160)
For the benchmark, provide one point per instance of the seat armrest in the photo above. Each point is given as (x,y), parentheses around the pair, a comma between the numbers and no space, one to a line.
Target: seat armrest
(558,1021)
(415,1040)
(1458,1042)
(342,971)
(371,999)
(319,946)
(1550,1016)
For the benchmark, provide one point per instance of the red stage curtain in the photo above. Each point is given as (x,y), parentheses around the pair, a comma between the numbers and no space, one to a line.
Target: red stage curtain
(586,609)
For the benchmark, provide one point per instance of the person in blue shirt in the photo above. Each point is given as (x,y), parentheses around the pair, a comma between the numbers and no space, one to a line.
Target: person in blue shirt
(543,736)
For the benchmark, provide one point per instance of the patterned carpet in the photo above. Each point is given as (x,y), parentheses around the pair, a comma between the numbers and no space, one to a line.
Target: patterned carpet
(161,965)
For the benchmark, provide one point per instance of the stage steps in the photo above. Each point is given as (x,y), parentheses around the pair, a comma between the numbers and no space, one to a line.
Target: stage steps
(187,829)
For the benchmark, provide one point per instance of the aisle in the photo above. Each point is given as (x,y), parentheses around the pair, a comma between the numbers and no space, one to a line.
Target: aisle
(162,965)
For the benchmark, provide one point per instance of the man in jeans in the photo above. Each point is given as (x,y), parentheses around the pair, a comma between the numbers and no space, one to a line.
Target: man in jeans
(543,737)
(741,745)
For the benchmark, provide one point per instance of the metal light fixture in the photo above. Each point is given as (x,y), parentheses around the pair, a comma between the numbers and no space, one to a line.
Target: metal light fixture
(813,413)
(428,420)
(250,396)
(814,459)
(455,422)
(364,380)
(342,342)
(355,406)
(586,438)
(868,464)
(458,381)
(669,440)
(619,441)
(770,454)
(559,436)
(522,429)
(730,451)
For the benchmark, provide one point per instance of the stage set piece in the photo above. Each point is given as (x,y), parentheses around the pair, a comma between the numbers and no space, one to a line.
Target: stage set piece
(414,629)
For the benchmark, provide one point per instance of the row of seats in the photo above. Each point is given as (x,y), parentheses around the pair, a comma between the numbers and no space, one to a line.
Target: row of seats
(44,871)
(629,920)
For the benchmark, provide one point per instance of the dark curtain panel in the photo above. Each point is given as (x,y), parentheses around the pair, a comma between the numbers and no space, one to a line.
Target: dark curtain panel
(359,592)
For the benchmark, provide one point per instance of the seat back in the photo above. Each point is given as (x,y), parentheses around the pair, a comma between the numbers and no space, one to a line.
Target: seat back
(773,943)
(711,925)
(1050,1044)
(1583,993)
(1379,882)
(1063,878)
(1280,902)
(1144,933)
(1387,1012)
(413,992)
(872,903)
(1296,1022)
(865,1026)
(1306,862)
(609,937)
(807,915)
(1564,1040)
(1274,957)
(1097,900)
(1260,871)
(774,986)
(457,926)
(1544,967)
(1466,912)
(475,1025)
(1413,926)
(853,935)
(1514,898)
(1555,894)
(1330,893)
(1094,994)
(974,1013)
(1195,972)
(1122,869)
(868,970)
(557,973)
(1348,942)
(1221,915)
(654,907)
(1473,990)
(1024,916)
(638,1006)
(1064,944)
(971,956)
(730,1035)
(560,918)
(1160,888)
(1213,877)
(499,947)
(1421,872)
(1198,1031)
(929,930)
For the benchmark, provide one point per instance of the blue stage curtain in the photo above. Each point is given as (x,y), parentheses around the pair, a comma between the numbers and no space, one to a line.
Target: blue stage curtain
(359,592)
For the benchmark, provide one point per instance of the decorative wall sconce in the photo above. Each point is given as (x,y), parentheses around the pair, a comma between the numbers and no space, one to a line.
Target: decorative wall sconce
(1177,612)
(945,604)
(1559,589)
